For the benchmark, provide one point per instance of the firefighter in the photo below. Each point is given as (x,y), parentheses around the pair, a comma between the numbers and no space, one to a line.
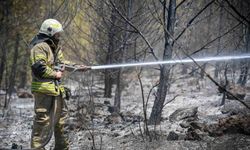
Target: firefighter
(48,92)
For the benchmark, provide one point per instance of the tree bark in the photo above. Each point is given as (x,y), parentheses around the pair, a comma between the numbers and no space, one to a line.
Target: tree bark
(169,23)
(208,35)
(2,63)
(4,30)
(245,63)
(109,58)
(217,65)
(13,70)
(24,71)
(119,80)
(118,92)
(224,86)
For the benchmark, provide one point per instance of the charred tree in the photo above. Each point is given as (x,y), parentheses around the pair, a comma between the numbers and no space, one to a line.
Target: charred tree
(168,25)
(4,21)
(121,58)
(13,71)
(24,71)
(245,63)
(3,61)
(108,80)
(244,19)
(217,65)
(224,86)
(208,35)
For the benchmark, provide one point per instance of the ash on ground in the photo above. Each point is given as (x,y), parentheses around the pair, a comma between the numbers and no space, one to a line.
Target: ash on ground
(193,120)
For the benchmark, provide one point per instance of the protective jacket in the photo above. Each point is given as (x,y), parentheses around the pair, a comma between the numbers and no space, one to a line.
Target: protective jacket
(44,55)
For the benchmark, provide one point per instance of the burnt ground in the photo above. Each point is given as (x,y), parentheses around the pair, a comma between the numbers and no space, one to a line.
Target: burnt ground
(194,120)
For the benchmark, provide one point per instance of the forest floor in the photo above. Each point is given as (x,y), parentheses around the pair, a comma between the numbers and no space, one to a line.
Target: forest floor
(93,126)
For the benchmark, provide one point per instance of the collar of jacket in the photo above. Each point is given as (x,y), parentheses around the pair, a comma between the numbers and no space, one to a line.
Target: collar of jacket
(39,38)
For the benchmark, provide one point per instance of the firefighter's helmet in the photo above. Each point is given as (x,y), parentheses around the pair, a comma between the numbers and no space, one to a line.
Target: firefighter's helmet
(50,27)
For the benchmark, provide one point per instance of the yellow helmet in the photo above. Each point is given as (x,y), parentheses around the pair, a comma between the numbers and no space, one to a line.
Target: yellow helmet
(50,27)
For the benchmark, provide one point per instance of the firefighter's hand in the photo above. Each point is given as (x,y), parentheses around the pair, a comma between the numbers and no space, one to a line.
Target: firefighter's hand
(59,74)
(83,68)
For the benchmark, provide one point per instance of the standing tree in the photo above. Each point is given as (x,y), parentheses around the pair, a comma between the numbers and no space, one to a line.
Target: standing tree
(217,65)
(4,31)
(121,58)
(109,56)
(168,25)
(12,77)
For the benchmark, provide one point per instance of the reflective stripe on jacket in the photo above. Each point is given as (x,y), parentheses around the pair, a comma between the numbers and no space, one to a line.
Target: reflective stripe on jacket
(45,83)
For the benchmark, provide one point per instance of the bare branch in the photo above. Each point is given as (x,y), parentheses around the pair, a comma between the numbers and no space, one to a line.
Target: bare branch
(191,21)
(59,7)
(237,12)
(161,2)
(210,42)
(170,100)
(226,9)
(183,1)
(144,105)
(136,29)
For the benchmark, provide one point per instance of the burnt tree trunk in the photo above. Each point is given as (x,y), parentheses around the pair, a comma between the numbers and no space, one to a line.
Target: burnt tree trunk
(169,23)
(13,71)
(118,91)
(224,86)
(217,65)
(24,71)
(208,35)
(119,80)
(109,57)
(3,62)
(245,63)
(5,12)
